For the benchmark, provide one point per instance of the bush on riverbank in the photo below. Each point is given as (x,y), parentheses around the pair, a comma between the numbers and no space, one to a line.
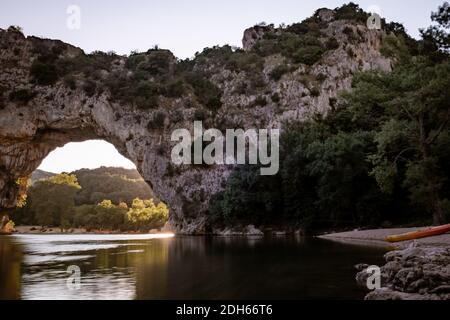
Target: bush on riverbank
(101,199)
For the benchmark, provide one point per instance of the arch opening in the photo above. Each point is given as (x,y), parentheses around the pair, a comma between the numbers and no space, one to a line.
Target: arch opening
(88,187)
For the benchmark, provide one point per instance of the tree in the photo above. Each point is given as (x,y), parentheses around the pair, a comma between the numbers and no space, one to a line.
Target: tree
(110,216)
(409,111)
(144,214)
(436,38)
(52,200)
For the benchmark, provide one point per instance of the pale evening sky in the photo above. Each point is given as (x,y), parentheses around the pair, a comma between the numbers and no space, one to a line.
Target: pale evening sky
(184,27)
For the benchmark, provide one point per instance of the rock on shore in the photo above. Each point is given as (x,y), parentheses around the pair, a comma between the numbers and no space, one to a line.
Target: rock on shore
(419,272)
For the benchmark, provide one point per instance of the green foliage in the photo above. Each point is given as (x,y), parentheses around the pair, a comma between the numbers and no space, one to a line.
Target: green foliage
(104,216)
(174,89)
(332,44)
(309,26)
(351,11)
(275,98)
(395,47)
(436,38)
(115,184)
(208,94)
(70,82)
(279,71)
(95,199)
(248,198)
(155,62)
(15,29)
(234,60)
(47,66)
(308,55)
(380,155)
(144,214)
(260,101)
(90,87)
(303,48)
(52,201)
(315,92)
(44,74)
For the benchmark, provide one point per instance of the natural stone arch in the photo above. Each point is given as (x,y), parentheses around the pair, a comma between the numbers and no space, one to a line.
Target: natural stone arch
(29,133)
(56,114)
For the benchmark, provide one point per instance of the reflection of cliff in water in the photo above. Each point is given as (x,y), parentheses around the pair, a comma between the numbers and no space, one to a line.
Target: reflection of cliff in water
(152,270)
(10,268)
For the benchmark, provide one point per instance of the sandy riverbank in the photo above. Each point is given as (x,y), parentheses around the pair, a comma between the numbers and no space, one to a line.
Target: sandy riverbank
(377,238)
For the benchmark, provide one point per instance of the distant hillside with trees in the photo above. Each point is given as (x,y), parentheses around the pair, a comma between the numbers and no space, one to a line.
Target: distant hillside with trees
(100,199)
(41,174)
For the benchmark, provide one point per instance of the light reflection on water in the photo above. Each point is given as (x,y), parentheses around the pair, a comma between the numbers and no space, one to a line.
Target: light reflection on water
(163,267)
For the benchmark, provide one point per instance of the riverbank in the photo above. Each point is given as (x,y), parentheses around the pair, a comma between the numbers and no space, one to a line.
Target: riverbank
(377,238)
(40,230)
(414,270)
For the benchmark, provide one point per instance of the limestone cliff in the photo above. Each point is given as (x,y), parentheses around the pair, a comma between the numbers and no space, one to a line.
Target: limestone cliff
(52,93)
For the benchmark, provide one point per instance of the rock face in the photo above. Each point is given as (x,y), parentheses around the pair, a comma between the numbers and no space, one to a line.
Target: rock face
(252,35)
(32,125)
(415,273)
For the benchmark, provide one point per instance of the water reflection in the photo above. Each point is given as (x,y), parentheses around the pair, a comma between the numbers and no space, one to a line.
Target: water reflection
(10,260)
(136,267)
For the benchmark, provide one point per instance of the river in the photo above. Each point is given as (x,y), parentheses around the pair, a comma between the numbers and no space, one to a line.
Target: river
(165,267)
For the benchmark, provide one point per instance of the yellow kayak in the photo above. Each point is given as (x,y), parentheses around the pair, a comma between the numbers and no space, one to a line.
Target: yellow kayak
(429,232)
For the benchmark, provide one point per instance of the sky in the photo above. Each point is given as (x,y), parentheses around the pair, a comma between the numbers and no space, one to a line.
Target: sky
(182,26)
(96,153)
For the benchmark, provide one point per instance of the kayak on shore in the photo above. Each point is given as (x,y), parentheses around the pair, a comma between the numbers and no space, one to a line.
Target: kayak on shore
(429,232)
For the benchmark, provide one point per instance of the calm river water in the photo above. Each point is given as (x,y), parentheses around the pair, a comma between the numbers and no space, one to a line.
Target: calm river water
(153,267)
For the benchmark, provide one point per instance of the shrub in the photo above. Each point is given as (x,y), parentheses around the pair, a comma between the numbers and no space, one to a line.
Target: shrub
(44,73)
(350,52)
(275,97)
(260,101)
(279,71)
(256,83)
(145,96)
(308,55)
(244,61)
(15,29)
(352,37)
(321,77)
(306,27)
(207,93)
(151,102)
(332,44)
(351,11)
(266,47)
(174,89)
(90,87)
(158,121)
(70,82)
(155,62)
(332,102)
(21,95)
(315,92)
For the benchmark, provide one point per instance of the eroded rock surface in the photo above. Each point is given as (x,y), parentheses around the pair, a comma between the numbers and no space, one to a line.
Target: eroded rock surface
(415,273)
